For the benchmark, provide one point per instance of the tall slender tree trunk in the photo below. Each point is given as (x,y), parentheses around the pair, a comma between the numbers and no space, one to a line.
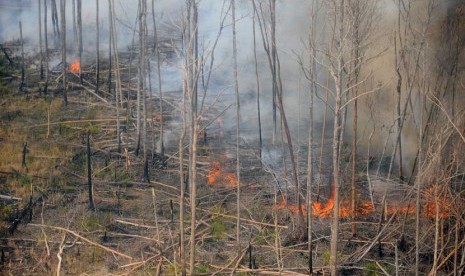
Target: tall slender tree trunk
(75,32)
(41,69)
(336,141)
(97,46)
(160,91)
(46,48)
(63,48)
(323,139)
(273,65)
(313,90)
(143,75)
(21,85)
(89,174)
(118,90)
(192,81)
(79,25)
(139,83)
(182,250)
(419,186)
(56,28)
(258,87)
(238,119)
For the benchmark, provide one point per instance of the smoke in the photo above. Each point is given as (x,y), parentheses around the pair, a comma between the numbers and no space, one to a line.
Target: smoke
(293,23)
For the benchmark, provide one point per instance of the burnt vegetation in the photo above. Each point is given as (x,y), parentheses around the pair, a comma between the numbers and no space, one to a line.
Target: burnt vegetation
(153,140)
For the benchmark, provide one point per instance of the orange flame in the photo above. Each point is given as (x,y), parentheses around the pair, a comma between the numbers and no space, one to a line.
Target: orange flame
(364,208)
(75,66)
(216,176)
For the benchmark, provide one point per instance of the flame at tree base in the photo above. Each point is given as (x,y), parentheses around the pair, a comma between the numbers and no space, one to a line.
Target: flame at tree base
(364,208)
(75,66)
(435,202)
(217,176)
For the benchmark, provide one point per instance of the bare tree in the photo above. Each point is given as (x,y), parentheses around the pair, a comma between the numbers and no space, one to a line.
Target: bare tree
(118,90)
(337,72)
(274,64)
(79,26)
(160,91)
(46,48)
(238,119)
(89,173)
(22,83)
(41,69)
(258,84)
(63,49)
(55,24)
(97,50)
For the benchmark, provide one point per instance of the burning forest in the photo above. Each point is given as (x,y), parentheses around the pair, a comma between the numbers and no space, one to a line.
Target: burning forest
(217,137)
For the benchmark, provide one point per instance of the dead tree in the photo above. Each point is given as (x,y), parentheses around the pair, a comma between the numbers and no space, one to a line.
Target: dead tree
(118,92)
(258,85)
(55,24)
(311,76)
(63,49)
(182,179)
(142,82)
(160,91)
(75,32)
(139,82)
(361,13)
(238,118)
(46,48)
(22,83)
(41,69)
(191,76)
(269,46)
(97,45)
(337,71)
(89,174)
(79,26)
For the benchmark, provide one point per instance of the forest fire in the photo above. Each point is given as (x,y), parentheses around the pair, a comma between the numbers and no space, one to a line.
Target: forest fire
(364,208)
(75,66)
(217,176)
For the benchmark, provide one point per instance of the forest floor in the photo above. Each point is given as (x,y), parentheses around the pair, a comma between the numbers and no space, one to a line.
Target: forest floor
(47,226)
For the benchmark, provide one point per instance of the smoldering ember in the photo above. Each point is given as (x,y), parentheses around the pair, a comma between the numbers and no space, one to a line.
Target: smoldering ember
(224,137)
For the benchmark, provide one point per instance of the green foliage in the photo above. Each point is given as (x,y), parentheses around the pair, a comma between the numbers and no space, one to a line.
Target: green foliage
(201,269)
(371,269)
(25,179)
(95,222)
(173,269)
(90,223)
(218,229)
(93,129)
(5,212)
(327,256)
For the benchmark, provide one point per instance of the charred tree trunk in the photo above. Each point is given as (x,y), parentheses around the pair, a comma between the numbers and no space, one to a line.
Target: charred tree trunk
(55,24)
(41,68)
